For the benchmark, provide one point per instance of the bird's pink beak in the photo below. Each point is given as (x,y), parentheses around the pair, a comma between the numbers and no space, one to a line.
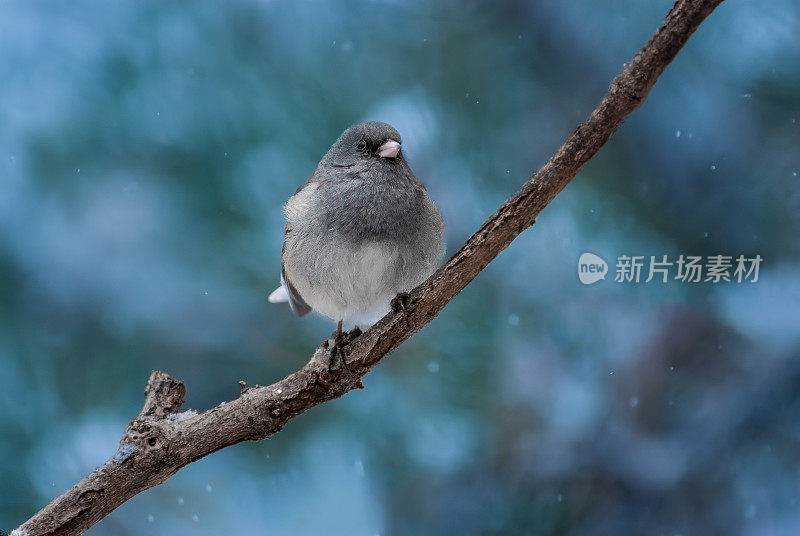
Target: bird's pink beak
(389,149)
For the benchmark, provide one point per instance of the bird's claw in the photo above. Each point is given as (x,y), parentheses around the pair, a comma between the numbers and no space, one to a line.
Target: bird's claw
(353,334)
(336,351)
(401,302)
(340,339)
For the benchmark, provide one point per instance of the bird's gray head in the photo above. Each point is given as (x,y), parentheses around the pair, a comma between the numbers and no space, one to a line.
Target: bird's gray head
(365,143)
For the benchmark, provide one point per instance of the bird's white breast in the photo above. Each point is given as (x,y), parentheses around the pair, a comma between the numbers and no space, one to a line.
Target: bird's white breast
(354,283)
(347,280)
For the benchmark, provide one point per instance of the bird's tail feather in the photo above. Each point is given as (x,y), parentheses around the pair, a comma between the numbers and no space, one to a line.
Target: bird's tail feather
(279,295)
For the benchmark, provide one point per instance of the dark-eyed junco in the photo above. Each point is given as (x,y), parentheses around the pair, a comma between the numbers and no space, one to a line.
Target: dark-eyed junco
(359,231)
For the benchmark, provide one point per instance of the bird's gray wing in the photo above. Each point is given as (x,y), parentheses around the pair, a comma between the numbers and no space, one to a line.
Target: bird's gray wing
(296,302)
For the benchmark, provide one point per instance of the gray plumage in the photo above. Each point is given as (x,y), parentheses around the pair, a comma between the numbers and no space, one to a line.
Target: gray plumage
(360,230)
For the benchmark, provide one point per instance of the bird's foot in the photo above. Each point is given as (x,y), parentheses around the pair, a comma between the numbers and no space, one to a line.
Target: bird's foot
(353,334)
(340,339)
(337,352)
(401,302)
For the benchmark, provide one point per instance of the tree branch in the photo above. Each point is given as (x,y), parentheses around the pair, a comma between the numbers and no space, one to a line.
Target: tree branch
(159,441)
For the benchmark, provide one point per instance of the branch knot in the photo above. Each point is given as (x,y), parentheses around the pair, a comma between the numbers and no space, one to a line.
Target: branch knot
(163,395)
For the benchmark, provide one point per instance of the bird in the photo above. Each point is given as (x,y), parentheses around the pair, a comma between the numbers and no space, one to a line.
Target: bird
(360,232)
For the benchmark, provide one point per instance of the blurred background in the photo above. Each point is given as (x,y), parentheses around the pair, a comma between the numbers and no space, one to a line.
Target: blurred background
(146,150)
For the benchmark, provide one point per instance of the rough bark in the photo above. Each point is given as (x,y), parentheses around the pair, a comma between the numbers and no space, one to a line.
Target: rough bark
(159,441)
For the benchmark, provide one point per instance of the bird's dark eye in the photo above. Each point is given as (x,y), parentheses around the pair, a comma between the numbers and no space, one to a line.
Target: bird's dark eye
(362,146)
